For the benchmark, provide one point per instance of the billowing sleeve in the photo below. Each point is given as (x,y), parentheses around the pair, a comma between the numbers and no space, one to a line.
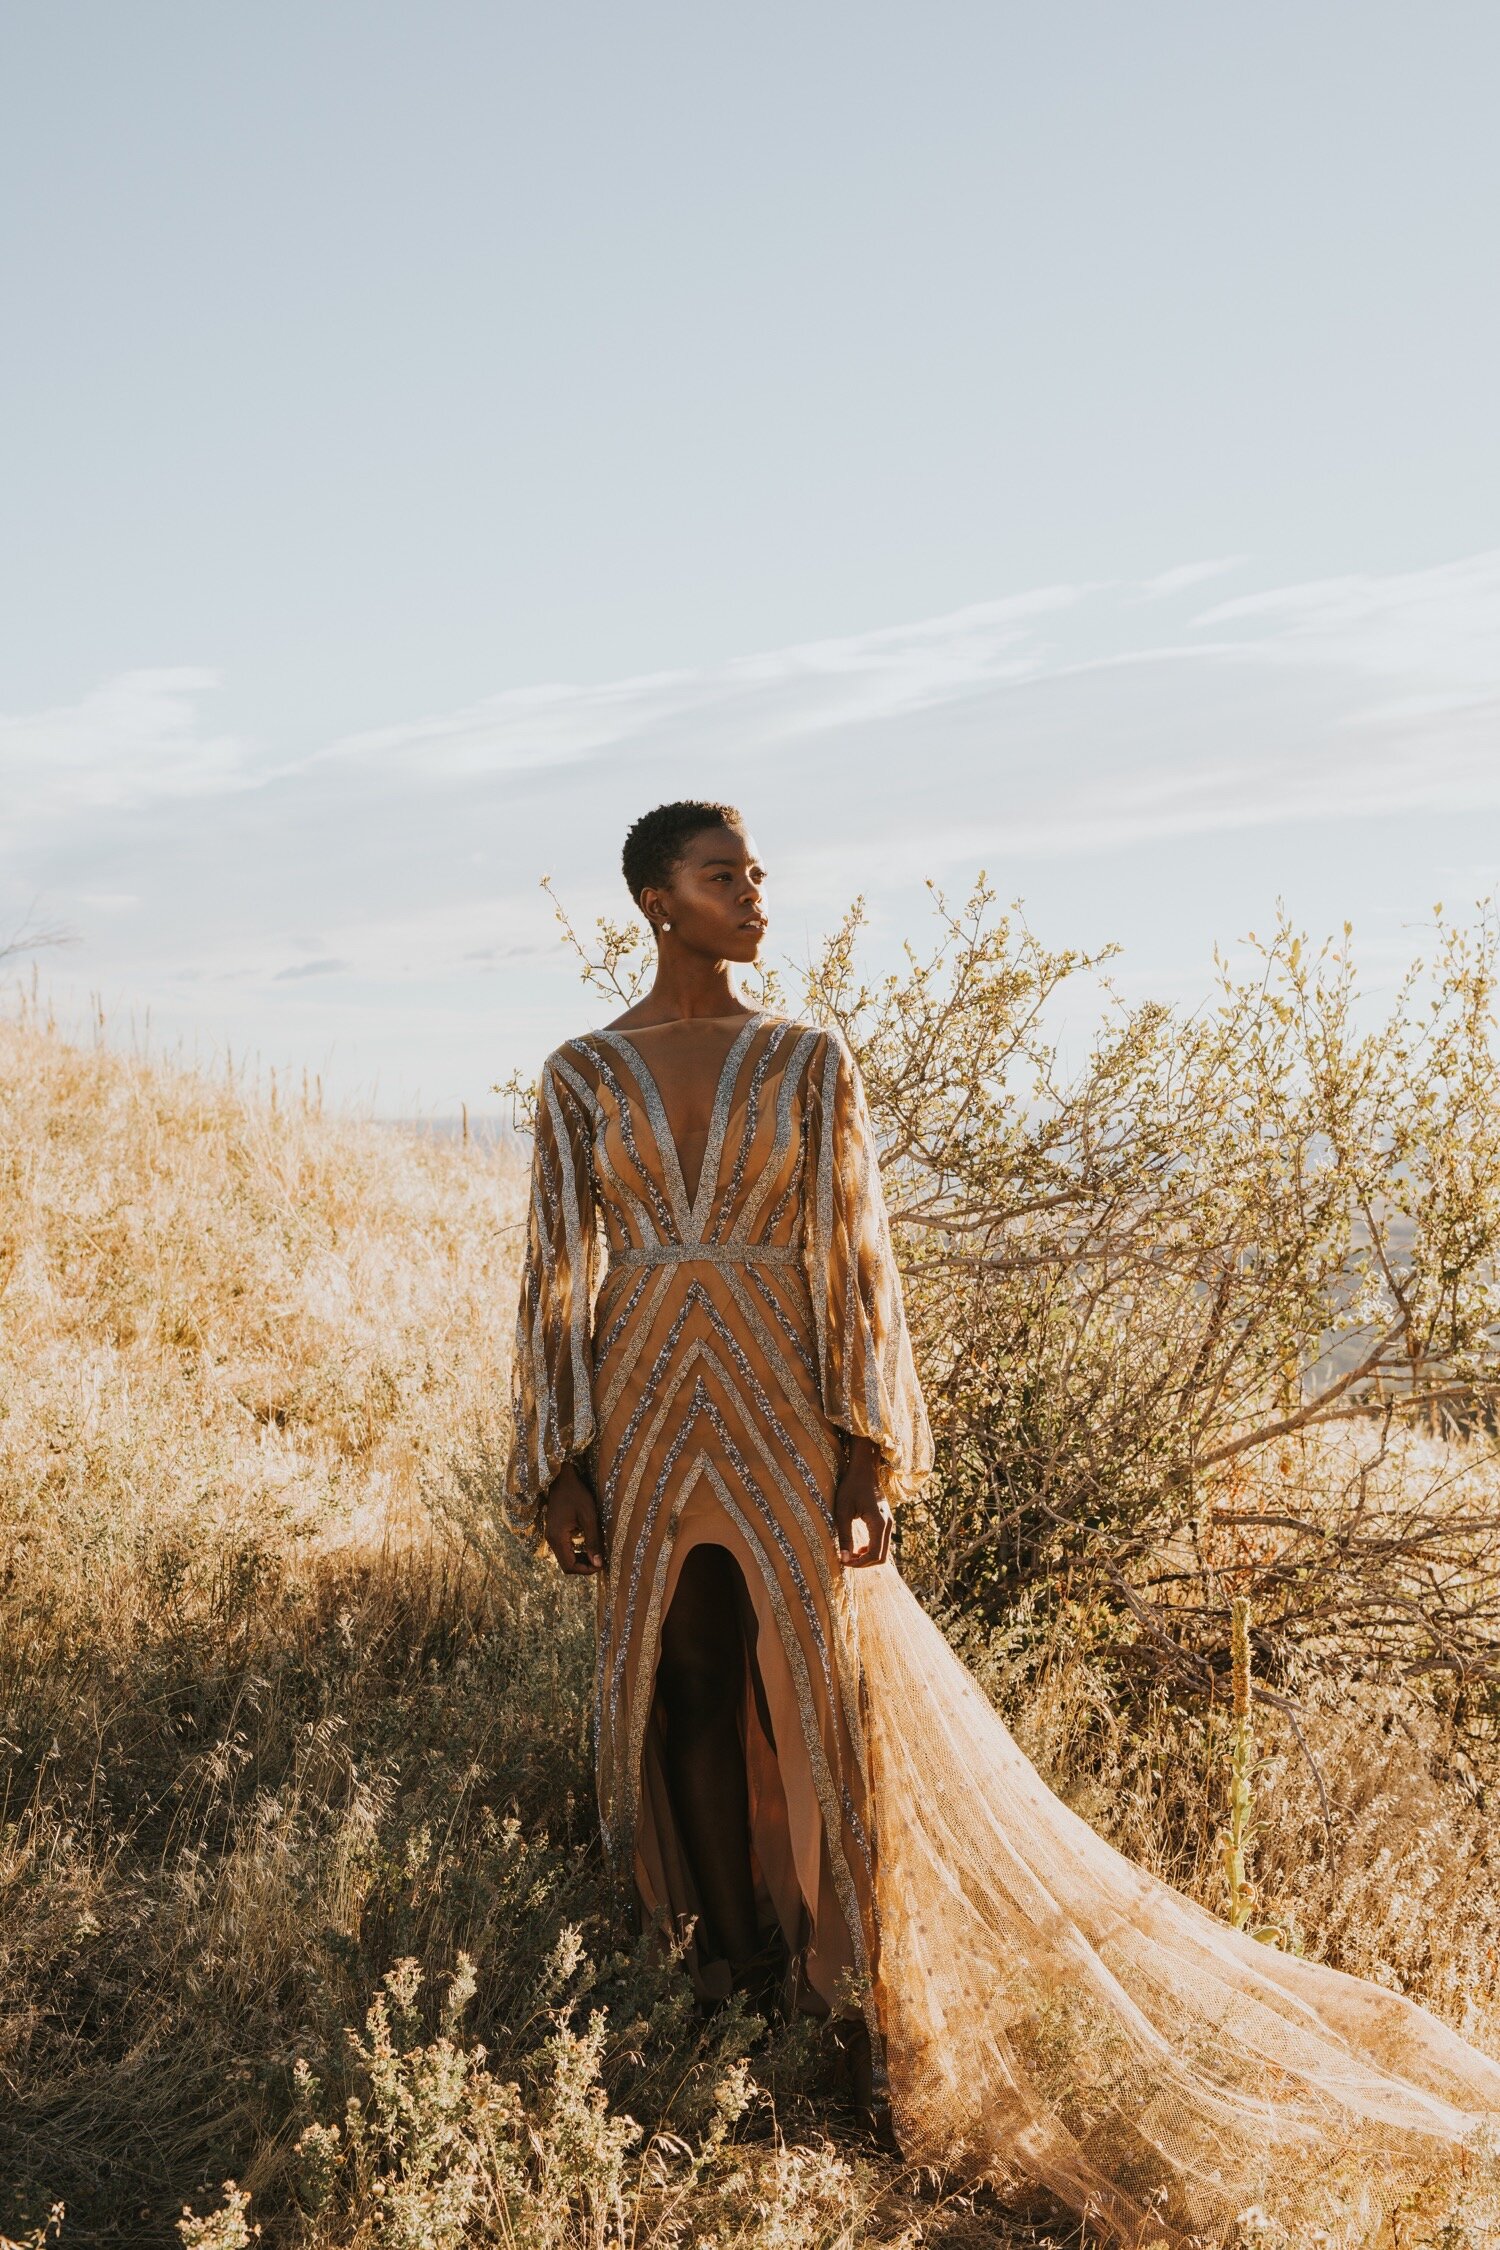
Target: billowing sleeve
(865,1364)
(551,1372)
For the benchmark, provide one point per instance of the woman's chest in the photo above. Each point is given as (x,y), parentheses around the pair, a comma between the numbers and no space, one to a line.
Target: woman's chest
(698,1125)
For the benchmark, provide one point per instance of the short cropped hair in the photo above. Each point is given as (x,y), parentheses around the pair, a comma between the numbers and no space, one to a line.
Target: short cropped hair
(655,845)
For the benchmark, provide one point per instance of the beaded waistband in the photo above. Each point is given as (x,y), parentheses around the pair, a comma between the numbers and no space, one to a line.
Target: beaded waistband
(709,1254)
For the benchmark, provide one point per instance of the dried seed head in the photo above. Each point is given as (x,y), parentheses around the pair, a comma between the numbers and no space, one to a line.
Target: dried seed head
(1239,1643)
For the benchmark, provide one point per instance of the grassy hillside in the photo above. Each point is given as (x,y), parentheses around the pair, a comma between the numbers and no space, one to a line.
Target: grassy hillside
(280,1711)
(297,1806)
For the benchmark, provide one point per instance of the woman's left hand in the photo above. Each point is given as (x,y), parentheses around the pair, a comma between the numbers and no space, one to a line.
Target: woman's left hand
(861,1515)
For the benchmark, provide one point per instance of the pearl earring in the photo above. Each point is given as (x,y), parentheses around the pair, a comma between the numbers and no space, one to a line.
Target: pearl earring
(665,927)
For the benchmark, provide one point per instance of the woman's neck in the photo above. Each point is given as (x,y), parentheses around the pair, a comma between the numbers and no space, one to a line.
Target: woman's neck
(676,998)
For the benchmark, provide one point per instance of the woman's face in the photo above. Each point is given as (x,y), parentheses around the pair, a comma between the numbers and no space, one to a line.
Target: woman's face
(714,901)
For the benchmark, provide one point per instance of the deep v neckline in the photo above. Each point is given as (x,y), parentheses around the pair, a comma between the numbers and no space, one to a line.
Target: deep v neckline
(690,1212)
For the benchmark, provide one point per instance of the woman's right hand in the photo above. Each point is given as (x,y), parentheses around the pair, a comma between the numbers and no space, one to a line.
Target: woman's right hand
(573,1524)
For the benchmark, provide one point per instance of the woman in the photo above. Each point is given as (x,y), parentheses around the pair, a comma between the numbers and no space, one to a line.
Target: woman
(804,1782)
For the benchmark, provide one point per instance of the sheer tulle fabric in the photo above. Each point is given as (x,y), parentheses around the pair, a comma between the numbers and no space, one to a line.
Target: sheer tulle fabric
(1055,2015)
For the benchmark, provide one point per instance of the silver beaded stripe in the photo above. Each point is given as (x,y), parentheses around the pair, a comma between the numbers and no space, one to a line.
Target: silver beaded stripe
(649,1098)
(709,1254)
(822,1200)
(655,1117)
(880,1296)
(614,1196)
(771,1419)
(531,1323)
(792,1079)
(727,1195)
(621,1321)
(623,1520)
(667,1217)
(864,1298)
(578,1224)
(624,1355)
(688,1215)
(618,1819)
(786,1342)
(784,1322)
(650,1396)
(791,1193)
(556,1189)
(713,1155)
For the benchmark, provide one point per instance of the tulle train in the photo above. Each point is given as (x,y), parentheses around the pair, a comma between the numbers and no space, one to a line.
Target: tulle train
(1055,2015)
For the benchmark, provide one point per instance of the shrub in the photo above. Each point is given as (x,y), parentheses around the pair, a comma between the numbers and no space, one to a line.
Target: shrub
(1145,1290)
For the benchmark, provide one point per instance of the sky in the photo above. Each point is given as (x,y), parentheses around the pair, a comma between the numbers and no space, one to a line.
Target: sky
(1053,440)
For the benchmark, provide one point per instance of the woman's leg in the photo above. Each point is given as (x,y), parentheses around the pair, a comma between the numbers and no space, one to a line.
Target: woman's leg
(699,1681)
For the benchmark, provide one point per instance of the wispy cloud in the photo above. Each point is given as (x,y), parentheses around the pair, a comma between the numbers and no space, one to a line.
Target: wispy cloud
(1057,725)
(1376,772)
(328,968)
(1434,628)
(1183,576)
(1430,640)
(778,696)
(137,738)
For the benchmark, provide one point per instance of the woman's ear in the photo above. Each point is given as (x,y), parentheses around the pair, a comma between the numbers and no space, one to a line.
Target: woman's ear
(655,909)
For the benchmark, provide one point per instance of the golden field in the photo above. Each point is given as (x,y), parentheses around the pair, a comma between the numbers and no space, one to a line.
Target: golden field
(298,1881)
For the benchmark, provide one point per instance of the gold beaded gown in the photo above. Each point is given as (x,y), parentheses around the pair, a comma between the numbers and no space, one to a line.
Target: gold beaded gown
(1043,2011)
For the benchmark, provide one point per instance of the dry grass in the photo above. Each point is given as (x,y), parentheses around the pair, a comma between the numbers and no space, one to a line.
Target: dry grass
(279,1713)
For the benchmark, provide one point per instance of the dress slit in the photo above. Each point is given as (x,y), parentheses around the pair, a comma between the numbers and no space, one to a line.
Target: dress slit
(795,1890)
